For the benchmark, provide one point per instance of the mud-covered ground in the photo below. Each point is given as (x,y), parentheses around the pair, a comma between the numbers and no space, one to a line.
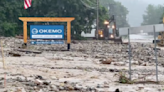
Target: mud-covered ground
(82,69)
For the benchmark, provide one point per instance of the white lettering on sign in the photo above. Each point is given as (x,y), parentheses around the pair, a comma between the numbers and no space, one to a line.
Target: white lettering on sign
(50,31)
(41,31)
(47,36)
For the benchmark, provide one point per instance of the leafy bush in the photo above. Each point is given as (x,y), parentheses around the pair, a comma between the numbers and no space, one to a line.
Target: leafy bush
(78,37)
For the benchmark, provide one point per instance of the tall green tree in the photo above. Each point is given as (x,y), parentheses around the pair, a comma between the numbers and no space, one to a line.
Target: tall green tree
(11,10)
(162,18)
(154,15)
(117,9)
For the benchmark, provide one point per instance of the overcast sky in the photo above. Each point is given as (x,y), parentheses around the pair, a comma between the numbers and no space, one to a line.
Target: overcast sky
(137,8)
(153,1)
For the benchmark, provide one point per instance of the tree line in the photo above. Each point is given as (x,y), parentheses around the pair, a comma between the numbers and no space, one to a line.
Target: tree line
(85,17)
(153,15)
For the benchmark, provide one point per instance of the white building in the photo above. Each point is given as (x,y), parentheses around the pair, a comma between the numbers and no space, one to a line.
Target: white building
(89,35)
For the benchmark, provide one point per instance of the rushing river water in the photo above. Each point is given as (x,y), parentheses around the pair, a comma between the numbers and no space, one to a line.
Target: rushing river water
(140,38)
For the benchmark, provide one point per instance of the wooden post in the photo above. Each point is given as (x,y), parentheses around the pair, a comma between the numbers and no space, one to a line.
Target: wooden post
(68,34)
(2,55)
(25,32)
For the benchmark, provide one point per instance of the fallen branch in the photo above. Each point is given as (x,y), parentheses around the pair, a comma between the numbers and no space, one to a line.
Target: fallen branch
(15,54)
(28,51)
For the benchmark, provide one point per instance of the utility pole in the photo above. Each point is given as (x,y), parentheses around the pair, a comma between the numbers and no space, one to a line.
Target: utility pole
(97,19)
(115,30)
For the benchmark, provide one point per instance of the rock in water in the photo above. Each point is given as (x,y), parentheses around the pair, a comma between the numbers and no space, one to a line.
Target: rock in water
(39,77)
(38,82)
(46,83)
(119,63)
(54,88)
(117,90)
(107,61)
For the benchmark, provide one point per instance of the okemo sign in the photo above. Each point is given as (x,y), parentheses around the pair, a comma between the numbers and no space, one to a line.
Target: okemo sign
(46,32)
